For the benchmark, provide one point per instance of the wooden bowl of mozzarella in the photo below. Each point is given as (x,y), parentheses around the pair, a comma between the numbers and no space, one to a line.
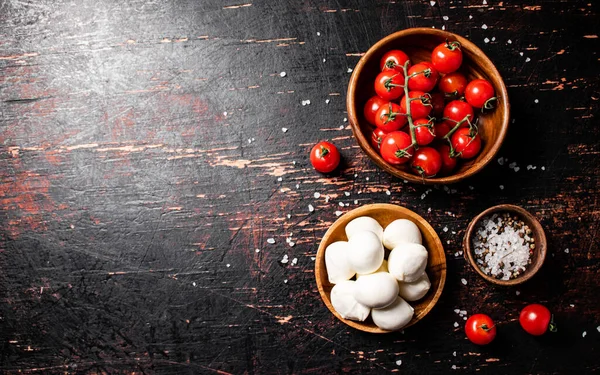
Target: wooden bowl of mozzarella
(383,307)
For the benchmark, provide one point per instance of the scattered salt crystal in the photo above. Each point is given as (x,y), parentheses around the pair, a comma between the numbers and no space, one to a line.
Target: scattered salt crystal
(345,119)
(282,74)
(367,178)
(399,362)
(279,179)
(598,328)
(453,367)
(388,192)
(228,265)
(484,2)
(405,181)
(486,40)
(571,305)
(501,187)
(516,169)
(512,165)
(327,199)
(282,190)
(341,204)
(257,251)
(313,258)
(509,41)
(338,213)
(306,102)
(432,3)
(493,38)
(284,130)
(285,281)
(543,168)
(445,229)
(346,204)
(529,167)
(317,195)
(465,318)
(429,210)
(456,324)
(456,311)
(341,127)
(318,33)
(443,27)
(294,261)
(584,334)
(356,201)
(324,60)
(349,70)
(463,281)
(294,162)
(310,208)
(456,254)
(527,59)
(453,232)
(327,101)
(521,53)
(567,251)
(536,101)
(501,160)
(285,259)
(289,216)
(448,242)
(445,18)
(484,26)
(347,193)
(225,114)
(517,292)
(470,17)
(194,283)
(454,354)
(423,196)
(271,240)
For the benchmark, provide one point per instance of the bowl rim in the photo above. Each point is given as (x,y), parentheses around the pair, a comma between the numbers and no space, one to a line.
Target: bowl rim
(540,247)
(364,142)
(362,211)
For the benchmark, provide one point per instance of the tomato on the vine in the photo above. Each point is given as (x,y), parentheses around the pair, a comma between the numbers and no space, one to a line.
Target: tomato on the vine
(453,84)
(447,57)
(465,143)
(437,104)
(536,319)
(396,148)
(424,131)
(425,77)
(457,111)
(371,108)
(480,94)
(448,162)
(377,137)
(389,85)
(390,117)
(480,329)
(420,104)
(393,60)
(442,128)
(426,162)
(325,157)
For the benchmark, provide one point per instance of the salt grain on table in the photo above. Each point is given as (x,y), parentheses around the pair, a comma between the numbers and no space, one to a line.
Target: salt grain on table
(463,281)
(271,240)
(284,260)
(310,208)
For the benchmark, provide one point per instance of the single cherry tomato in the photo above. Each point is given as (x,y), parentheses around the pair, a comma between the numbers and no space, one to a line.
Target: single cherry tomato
(394,60)
(389,85)
(371,108)
(325,157)
(426,162)
(447,57)
(536,319)
(440,129)
(480,94)
(377,137)
(465,144)
(453,84)
(480,329)
(420,104)
(448,162)
(457,111)
(425,77)
(424,131)
(390,117)
(438,104)
(396,148)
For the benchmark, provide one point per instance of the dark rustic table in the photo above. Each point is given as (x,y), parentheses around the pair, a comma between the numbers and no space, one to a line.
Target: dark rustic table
(145,167)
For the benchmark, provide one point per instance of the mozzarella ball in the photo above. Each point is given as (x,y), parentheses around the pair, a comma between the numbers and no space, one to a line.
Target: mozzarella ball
(365,252)
(382,268)
(400,231)
(343,301)
(363,223)
(376,290)
(336,262)
(394,316)
(415,290)
(407,261)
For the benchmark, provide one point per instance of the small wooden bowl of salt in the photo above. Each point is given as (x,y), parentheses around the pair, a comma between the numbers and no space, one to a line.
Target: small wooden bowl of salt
(505,245)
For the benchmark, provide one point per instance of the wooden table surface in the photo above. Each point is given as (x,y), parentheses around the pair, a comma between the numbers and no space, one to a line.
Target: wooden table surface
(144,167)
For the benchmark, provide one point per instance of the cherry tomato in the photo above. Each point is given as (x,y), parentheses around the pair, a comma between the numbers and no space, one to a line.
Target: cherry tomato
(424,131)
(447,57)
(371,108)
(480,94)
(394,148)
(536,319)
(377,137)
(440,129)
(325,157)
(465,145)
(453,84)
(388,85)
(480,329)
(424,79)
(390,117)
(426,162)
(457,110)
(394,60)
(448,162)
(420,106)
(438,104)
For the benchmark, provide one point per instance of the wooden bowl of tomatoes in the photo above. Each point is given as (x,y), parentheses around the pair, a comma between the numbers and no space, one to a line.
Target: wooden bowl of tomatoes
(428,106)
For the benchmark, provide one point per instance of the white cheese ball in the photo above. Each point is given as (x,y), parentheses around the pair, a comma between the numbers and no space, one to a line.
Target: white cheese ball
(415,290)
(336,262)
(376,290)
(343,301)
(363,223)
(407,261)
(401,231)
(394,316)
(365,252)
(382,268)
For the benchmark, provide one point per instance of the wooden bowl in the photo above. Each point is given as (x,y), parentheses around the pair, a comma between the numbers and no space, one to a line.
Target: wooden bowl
(385,214)
(539,253)
(418,44)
